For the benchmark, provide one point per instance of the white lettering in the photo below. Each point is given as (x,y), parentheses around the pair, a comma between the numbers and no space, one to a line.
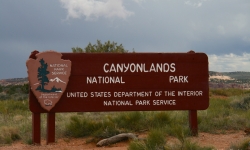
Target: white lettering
(138,67)
(104,80)
(142,102)
(190,93)
(112,68)
(169,93)
(152,68)
(100,94)
(77,94)
(59,73)
(126,67)
(58,65)
(164,102)
(172,66)
(133,94)
(104,67)
(117,103)
(178,79)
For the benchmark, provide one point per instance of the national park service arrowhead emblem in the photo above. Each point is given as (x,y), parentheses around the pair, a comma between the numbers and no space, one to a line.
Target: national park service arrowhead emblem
(48,76)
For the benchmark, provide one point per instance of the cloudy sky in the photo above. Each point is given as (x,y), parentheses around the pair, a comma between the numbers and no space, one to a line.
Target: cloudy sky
(219,28)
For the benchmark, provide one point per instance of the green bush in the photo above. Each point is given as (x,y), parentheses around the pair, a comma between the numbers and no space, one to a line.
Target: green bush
(8,135)
(12,107)
(82,126)
(155,141)
(15,106)
(217,116)
(133,121)
(14,92)
(242,103)
(137,145)
(25,130)
(158,119)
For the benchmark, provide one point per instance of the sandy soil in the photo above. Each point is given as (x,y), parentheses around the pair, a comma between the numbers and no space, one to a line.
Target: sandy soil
(218,141)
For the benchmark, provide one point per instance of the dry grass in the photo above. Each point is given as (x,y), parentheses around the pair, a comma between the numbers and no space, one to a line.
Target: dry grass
(224,113)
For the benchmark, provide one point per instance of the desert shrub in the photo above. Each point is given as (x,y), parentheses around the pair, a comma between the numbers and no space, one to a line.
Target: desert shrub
(25,88)
(82,126)
(15,121)
(154,141)
(137,145)
(178,131)
(241,103)
(12,106)
(106,132)
(8,109)
(216,117)
(158,119)
(25,131)
(179,116)
(14,92)
(188,145)
(133,121)
(244,145)
(229,113)
(138,121)
(17,106)
(8,135)
(181,133)
(19,97)
(228,92)
(4,96)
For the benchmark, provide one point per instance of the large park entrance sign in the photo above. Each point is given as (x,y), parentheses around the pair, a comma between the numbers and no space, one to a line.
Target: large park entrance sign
(89,82)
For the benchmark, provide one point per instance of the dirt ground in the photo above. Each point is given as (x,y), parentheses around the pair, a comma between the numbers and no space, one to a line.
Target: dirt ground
(218,141)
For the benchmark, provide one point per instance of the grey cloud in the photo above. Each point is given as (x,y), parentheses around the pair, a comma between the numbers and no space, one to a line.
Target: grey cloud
(215,28)
(229,62)
(95,9)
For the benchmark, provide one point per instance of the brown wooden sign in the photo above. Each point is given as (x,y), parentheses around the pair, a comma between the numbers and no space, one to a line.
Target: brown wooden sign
(88,82)
(131,82)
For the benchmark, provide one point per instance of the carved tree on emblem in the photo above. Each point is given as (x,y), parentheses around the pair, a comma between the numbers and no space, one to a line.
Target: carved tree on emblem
(42,76)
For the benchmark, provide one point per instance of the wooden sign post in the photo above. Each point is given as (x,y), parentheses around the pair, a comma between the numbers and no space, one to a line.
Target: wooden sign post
(99,82)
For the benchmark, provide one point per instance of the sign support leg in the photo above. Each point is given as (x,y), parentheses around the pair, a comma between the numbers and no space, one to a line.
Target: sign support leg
(50,128)
(36,128)
(193,123)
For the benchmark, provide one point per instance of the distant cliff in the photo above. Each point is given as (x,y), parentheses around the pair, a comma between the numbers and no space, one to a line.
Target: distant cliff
(238,79)
(14,81)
